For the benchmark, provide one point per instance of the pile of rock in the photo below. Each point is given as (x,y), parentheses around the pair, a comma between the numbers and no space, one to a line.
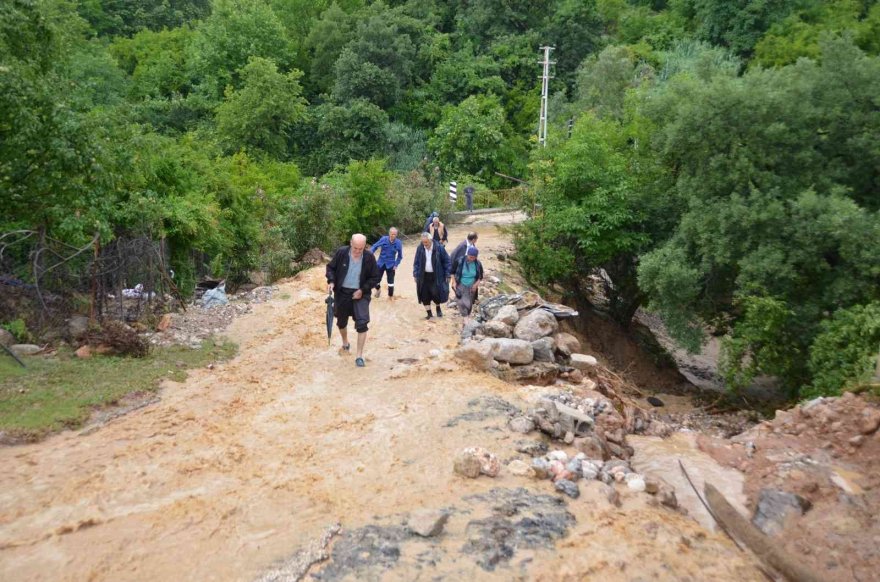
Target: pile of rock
(566,472)
(523,343)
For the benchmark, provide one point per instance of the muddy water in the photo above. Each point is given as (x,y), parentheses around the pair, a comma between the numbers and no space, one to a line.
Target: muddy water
(237,468)
(660,458)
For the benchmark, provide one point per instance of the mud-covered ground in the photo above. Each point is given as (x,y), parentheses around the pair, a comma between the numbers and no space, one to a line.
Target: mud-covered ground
(237,470)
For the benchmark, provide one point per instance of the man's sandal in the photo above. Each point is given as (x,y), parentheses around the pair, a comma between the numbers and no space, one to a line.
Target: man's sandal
(359,362)
(346,347)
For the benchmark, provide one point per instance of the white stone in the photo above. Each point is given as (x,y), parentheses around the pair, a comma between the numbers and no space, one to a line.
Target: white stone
(583,362)
(636,484)
(30,349)
(427,522)
(560,456)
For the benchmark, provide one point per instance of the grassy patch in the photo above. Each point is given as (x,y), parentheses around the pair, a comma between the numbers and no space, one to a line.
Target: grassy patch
(61,392)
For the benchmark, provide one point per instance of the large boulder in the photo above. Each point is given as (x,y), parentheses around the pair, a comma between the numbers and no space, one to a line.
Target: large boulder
(514,351)
(537,324)
(544,349)
(507,315)
(496,328)
(567,344)
(28,349)
(6,338)
(478,354)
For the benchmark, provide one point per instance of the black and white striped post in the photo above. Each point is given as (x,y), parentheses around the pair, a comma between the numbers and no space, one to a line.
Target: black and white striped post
(453,192)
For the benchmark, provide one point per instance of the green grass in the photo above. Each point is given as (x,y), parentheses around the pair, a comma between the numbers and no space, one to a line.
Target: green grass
(62,391)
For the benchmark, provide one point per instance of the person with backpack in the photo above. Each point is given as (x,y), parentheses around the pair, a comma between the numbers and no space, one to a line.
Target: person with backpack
(468,276)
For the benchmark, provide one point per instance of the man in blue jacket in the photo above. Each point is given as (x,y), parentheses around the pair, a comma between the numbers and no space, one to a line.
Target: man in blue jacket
(432,271)
(389,259)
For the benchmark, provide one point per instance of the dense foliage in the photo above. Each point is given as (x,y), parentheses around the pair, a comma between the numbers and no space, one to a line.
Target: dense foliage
(722,169)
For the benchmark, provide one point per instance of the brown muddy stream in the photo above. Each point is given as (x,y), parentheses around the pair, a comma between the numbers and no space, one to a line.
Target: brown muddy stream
(237,468)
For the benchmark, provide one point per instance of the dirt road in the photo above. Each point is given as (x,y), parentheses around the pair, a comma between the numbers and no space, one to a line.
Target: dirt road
(237,468)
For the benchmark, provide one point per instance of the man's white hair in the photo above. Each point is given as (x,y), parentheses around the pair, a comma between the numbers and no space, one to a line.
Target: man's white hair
(358,238)
(425,235)
(393,228)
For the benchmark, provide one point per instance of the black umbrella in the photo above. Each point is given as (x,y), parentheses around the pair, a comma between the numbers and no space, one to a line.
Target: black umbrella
(329,302)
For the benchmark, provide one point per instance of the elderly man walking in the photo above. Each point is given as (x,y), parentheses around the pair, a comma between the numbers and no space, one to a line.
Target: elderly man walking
(432,270)
(389,259)
(351,276)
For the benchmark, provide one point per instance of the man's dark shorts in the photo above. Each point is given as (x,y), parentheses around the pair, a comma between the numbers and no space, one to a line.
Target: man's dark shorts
(347,307)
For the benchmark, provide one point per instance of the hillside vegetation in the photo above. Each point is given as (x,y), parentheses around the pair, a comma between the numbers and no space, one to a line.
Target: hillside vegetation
(723,168)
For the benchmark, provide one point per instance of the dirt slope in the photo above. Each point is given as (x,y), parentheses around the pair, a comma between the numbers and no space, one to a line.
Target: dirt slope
(240,466)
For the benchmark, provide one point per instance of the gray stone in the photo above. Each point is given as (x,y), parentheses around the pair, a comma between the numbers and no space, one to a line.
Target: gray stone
(25,349)
(544,349)
(522,424)
(78,326)
(477,353)
(537,324)
(567,344)
(583,362)
(531,448)
(470,329)
(574,420)
(574,466)
(507,315)
(497,328)
(467,465)
(774,507)
(570,488)
(515,351)
(6,338)
(611,494)
(427,522)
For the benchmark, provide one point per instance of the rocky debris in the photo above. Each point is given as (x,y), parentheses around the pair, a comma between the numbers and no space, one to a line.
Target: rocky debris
(478,354)
(474,461)
(508,315)
(535,325)
(497,328)
(567,344)
(164,322)
(870,421)
(197,323)
(363,550)
(774,507)
(297,566)
(515,351)
(568,487)
(83,352)
(470,329)
(25,349)
(583,362)
(520,519)
(77,327)
(544,349)
(427,522)
(6,338)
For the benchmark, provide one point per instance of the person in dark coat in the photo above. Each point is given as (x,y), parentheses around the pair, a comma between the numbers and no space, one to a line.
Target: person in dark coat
(432,270)
(468,276)
(351,276)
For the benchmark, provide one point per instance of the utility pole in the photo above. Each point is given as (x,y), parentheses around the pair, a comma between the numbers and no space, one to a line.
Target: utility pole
(545,84)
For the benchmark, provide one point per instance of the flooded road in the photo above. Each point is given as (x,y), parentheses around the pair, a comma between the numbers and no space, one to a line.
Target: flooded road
(238,467)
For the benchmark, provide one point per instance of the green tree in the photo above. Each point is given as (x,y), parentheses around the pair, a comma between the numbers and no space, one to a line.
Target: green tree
(325,41)
(260,115)
(472,138)
(235,31)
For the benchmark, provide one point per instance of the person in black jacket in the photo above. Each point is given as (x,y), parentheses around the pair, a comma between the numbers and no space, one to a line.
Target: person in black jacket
(432,271)
(351,276)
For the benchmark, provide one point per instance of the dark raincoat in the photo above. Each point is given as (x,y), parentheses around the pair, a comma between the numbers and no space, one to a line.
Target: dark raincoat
(442,270)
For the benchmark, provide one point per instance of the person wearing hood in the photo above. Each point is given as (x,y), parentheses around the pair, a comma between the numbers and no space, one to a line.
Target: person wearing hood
(468,276)
(432,270)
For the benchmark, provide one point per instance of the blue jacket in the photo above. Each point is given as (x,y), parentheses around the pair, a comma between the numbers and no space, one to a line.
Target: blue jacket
(442,269)
(392,252)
